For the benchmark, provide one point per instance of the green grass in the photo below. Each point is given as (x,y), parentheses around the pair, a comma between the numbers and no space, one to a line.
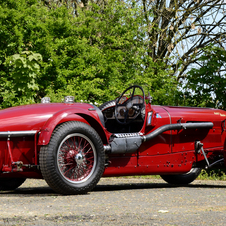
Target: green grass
(212,174)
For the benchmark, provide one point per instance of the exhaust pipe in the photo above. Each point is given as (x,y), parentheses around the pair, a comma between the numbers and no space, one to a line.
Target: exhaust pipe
(179,126)
(122,145)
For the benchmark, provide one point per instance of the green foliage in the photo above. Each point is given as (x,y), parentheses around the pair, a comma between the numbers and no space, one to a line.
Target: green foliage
(92,56)
(210,174)
(23,72)
(206,84)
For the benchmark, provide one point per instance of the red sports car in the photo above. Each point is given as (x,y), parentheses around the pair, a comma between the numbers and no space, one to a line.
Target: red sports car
(72,145)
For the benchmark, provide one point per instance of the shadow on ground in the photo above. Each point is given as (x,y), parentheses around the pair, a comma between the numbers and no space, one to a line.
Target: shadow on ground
(47,191)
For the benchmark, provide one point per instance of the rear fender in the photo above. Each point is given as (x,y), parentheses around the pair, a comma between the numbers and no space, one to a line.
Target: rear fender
(70,115)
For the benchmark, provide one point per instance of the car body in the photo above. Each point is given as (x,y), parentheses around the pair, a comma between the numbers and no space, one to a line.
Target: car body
(72,145)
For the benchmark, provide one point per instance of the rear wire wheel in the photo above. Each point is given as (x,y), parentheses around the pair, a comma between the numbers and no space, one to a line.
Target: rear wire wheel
(73,162)
(182,179)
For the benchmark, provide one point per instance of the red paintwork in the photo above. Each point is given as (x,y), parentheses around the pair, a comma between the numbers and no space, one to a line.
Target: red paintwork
(173,151)
(170,152)
(41,116)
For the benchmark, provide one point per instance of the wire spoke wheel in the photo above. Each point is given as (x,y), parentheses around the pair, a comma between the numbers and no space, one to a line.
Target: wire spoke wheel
(73,161)
(76,158)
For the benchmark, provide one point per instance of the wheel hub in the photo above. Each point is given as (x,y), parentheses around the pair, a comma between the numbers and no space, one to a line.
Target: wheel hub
(79,158)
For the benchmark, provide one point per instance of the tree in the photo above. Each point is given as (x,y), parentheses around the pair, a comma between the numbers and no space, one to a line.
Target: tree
(109,54)
(206,84)
(177,30)
(24,72)
(25,28)
(92,56)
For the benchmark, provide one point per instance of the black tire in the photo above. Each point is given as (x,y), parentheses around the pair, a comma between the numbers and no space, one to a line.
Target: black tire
(7,184)
(73,161)
(182,179)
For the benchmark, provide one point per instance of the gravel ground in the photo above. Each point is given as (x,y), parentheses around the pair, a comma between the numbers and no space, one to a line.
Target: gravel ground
(117,202)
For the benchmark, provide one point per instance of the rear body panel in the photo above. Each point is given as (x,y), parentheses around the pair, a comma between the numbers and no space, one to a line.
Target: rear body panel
(173,152)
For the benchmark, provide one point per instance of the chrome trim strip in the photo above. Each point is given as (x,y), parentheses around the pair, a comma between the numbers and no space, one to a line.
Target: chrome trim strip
(18,133)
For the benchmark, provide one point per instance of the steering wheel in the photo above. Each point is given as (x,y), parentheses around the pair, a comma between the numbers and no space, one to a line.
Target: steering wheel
(128,107)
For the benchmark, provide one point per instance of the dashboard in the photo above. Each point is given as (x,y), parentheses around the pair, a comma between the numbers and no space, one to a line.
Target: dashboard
(124,106)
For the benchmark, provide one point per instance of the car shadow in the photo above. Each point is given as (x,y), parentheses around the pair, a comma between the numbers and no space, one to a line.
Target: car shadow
(133,186)
(47,191)
(32,191)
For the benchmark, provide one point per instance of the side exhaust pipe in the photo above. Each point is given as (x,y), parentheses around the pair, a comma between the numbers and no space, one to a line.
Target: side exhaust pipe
(122,145)
(179,126)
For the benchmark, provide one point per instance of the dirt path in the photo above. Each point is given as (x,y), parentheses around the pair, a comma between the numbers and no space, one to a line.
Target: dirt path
(117,202)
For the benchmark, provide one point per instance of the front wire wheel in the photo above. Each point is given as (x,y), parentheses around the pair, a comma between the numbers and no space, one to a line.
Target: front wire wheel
(76,158)
(73,161)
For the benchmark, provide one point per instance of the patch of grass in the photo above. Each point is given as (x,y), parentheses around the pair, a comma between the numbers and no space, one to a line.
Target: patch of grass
(212,174)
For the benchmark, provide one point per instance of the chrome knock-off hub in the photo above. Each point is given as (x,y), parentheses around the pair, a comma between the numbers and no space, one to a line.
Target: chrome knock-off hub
(79,158)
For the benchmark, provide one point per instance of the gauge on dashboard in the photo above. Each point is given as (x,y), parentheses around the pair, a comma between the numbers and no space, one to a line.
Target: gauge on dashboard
(131,112)
(122,100)
(108,113)
(122,112)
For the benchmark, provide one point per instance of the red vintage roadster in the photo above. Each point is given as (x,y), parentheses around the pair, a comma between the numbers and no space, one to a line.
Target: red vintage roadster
(72,145)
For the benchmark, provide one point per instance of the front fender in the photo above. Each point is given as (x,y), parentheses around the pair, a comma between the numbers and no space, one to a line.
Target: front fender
(61,117)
